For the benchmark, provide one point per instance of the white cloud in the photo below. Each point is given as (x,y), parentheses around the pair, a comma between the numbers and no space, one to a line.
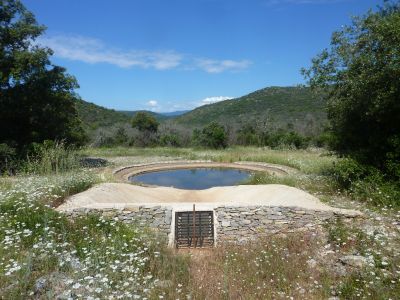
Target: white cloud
(214,99)
(218,66)
(152,103)
(93,51)
(171,106)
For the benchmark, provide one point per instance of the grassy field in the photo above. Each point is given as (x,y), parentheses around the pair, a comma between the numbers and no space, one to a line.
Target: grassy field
(43,255)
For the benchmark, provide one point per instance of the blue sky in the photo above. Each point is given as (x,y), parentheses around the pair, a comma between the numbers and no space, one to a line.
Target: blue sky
(178,54)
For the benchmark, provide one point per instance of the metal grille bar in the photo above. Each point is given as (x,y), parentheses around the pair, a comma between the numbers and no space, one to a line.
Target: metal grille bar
(189,234)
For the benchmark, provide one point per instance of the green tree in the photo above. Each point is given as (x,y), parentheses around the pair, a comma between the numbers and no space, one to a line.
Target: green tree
(37,99)
(145,122)
(120,137)
(361,72)
(211,136)
(247,135)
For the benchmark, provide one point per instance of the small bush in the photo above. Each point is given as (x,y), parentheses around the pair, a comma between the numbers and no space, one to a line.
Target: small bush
(375,189)
(113,136)
(282,138)
(324,139)
(120,137)
(347,171)
(392,163)
(146,139)
(365,183)
(170,140)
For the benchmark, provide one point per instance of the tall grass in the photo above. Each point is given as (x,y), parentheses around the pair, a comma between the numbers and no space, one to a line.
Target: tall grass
(53,159)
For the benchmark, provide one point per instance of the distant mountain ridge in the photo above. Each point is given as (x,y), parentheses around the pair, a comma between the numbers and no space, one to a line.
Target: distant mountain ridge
(157,115)
(131,113)
(175,113)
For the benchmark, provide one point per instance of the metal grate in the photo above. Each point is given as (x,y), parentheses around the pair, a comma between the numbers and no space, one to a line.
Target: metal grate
(189,234)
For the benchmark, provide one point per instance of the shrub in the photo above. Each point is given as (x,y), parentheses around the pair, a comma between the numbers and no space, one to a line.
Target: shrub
(211,136)
(120,137)
(292,138)
(365,183)
(347,171)
(145,122)
(283,138)
(324,139)
(113,136)
(392,163)
(146,139)
(247,135)
(377,190)
(171,140)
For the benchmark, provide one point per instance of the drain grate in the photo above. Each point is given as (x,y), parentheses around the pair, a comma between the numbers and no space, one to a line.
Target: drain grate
(195,233)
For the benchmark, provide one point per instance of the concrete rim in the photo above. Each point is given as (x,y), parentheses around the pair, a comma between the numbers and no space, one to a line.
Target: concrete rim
(123,174)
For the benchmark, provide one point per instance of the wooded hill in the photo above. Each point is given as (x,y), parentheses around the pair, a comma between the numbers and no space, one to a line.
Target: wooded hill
(94,116)
(277,106)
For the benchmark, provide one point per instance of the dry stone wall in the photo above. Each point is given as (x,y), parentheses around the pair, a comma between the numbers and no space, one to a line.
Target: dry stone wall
(244,223)
(155,217)
(232,223)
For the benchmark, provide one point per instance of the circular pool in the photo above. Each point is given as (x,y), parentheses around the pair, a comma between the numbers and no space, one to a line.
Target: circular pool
(193,178)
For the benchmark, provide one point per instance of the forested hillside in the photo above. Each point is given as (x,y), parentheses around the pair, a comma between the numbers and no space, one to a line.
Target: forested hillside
(94,116)
(277,106)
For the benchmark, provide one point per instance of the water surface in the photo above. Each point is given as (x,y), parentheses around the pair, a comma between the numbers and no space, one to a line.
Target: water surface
(193,179)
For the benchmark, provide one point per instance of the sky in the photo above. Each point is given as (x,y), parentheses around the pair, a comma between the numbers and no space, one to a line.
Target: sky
(179,54)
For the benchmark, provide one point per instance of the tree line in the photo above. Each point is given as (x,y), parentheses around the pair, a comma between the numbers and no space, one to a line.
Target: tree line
(146,131)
